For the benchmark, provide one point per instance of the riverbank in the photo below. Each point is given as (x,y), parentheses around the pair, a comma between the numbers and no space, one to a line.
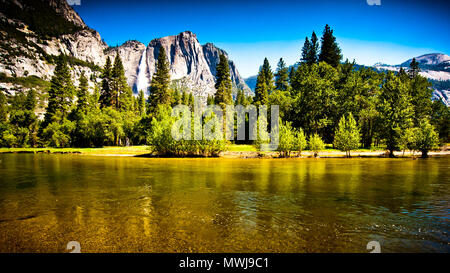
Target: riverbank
(232,151)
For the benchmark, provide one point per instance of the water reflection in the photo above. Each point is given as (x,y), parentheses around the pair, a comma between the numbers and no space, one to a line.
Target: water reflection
(113,204)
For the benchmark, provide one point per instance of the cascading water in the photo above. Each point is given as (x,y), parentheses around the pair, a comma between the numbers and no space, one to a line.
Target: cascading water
(142,80)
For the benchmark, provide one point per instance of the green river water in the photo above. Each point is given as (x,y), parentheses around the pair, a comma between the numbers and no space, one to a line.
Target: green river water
(129,204)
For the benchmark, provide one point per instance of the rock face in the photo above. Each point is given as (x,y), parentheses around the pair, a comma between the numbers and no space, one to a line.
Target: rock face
(24,52)
(62,8)
(192,65)
(130,53)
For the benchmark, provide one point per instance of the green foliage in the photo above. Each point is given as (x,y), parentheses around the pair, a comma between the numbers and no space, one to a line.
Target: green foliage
(346,137)
(316,144)
(413,68)
(223,85)
(106,96)
(3,107)
(287,140)
(440,118)
(282,76)
(310,50)
(162,142)
(159,88)
(329,50)
(314,104)
(407,139)
(82,94)
(264,84)
(57,134)
(396,111)
(300,141)
(426,138)
(61,92)
(141,103)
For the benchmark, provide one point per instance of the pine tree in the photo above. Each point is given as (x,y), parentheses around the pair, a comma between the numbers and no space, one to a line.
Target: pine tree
(3,107)
(122,94)
(184,98)
(414,68)
(310,50)
(82,102)
(106,96)
(291,74)
(159,88)
(191,101)
(329,51)
(141,103)
(282,76)
(305,50)
(268,75)
(176,98)
(395,111)
(261,93)
(60,92)
(264,84)
(223,96)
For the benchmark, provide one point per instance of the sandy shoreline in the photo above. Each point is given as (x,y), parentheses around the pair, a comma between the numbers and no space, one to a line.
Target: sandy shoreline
(231,154)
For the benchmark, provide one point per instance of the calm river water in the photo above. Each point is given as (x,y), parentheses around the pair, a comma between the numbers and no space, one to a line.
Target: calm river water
(125,204)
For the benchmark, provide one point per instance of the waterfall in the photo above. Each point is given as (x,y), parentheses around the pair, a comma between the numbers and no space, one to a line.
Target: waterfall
(142,80)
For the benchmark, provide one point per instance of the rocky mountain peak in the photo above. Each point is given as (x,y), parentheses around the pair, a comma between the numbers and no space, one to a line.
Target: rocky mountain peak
(61,7)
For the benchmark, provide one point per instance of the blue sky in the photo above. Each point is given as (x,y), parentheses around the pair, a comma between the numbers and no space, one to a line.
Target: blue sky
(250,30)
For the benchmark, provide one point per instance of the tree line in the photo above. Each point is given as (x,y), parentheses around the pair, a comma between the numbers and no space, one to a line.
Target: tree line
(321,100)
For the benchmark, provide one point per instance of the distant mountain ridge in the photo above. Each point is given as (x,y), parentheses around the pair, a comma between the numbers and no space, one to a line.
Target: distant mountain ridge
(434,66)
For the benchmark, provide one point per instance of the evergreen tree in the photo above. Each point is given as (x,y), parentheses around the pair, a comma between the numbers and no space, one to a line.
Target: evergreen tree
(264,84)
(191,101)
(223,85)
(413,68)
(176,98)
(60,92)
(291,74)
(305,50)
(329,51)
(141,103)
(282,76)
(106,96)
(159,87)
(421,93)
(3,107)
(184,98)
(122,94)
(440,119)
(396,111)
(402,75)
(82,102)
(310,49)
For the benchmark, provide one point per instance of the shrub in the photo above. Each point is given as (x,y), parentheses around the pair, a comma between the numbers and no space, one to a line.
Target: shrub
(346,136)
(300,141)
(316,144)
(287,142)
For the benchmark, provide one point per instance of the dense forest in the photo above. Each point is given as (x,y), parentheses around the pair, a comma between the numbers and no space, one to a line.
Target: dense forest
(322,100)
